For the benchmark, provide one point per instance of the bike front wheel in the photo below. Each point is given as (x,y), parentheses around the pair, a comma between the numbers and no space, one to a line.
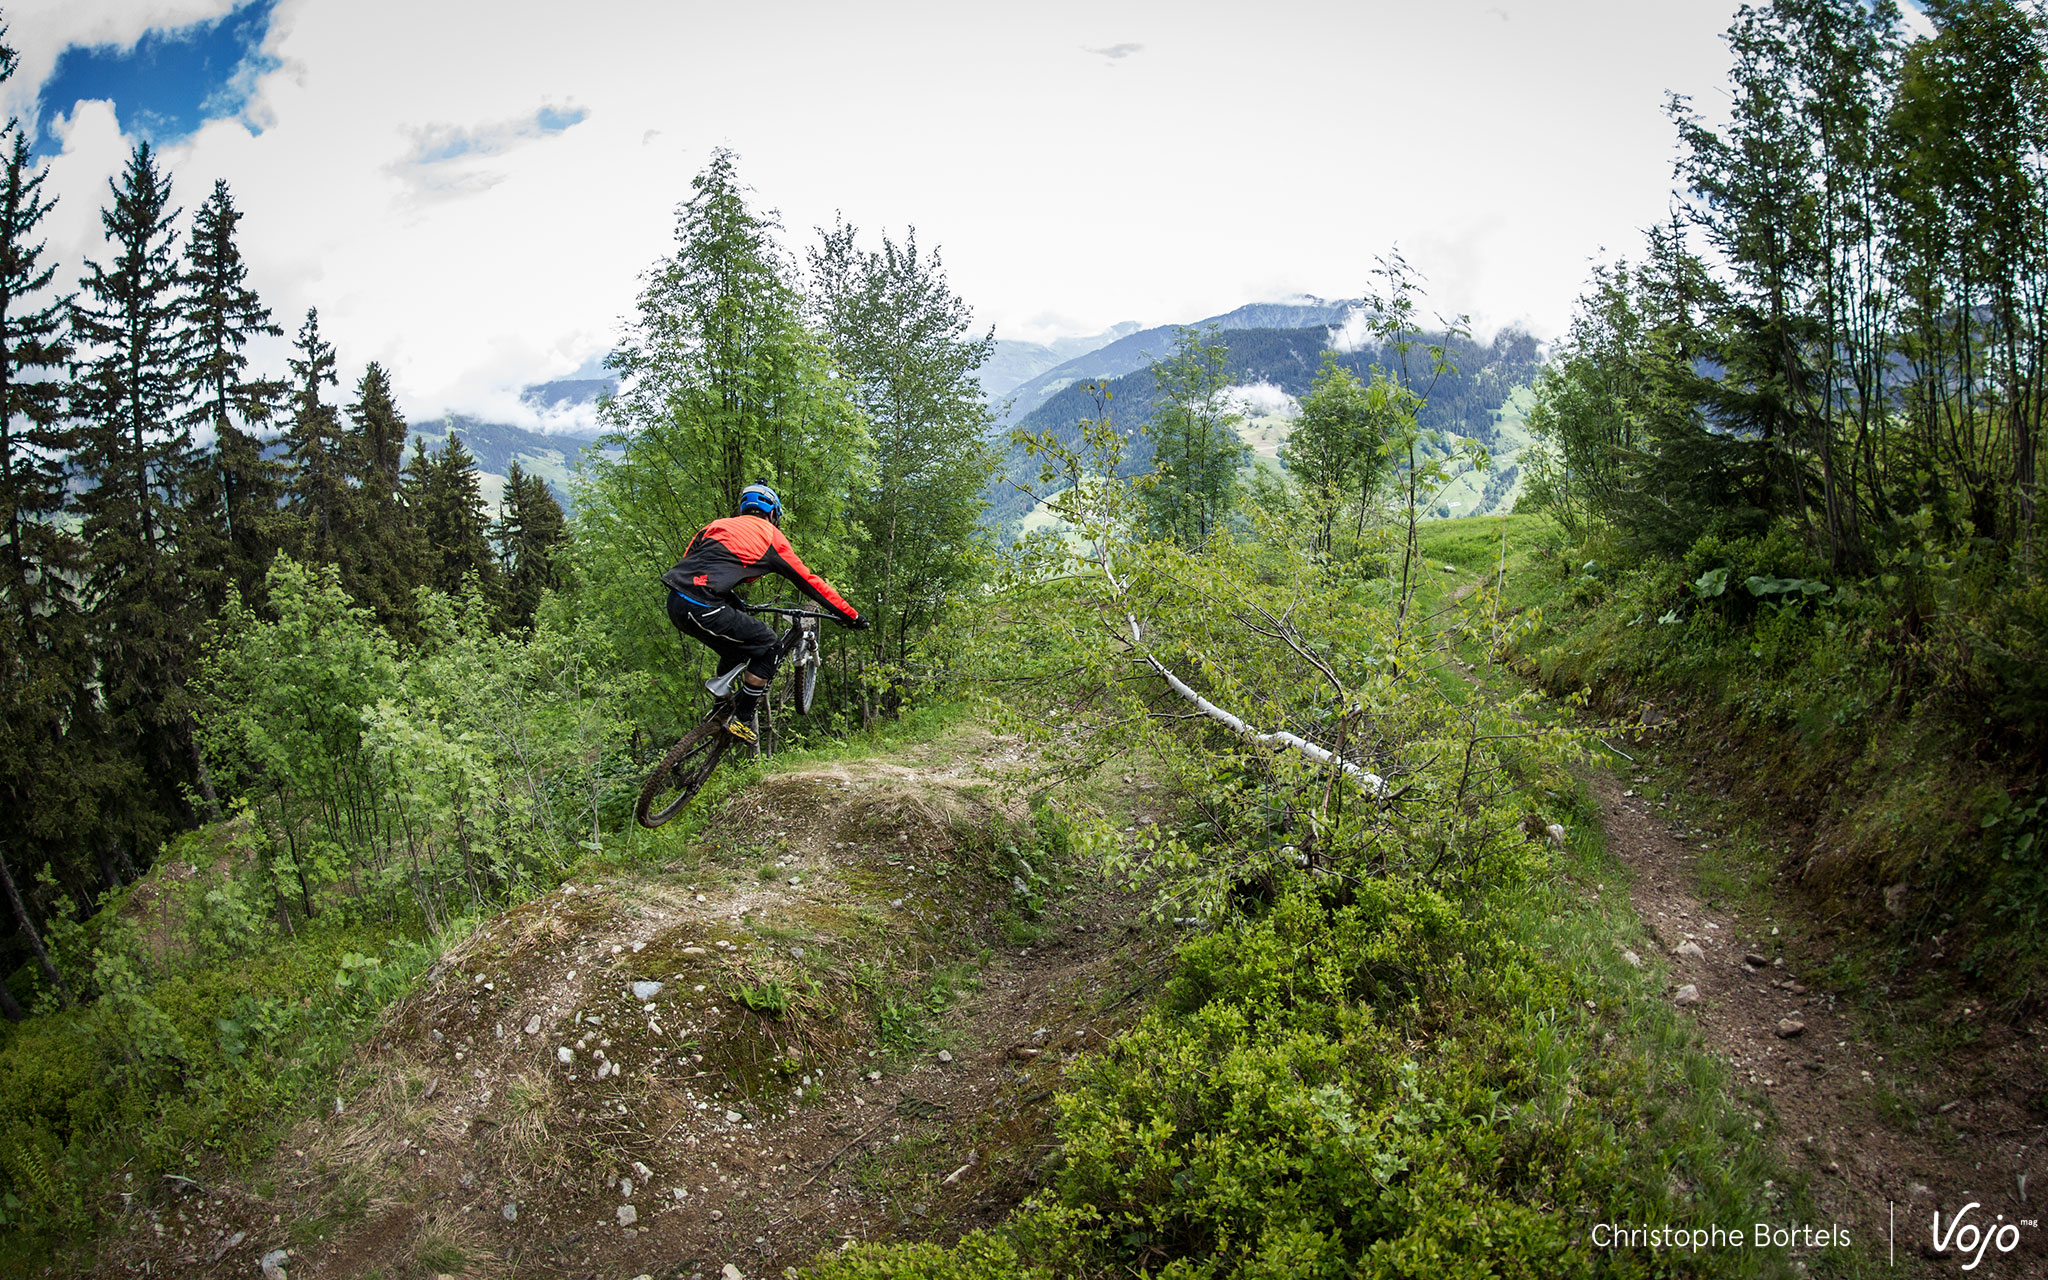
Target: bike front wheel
(682,773)
(803,677)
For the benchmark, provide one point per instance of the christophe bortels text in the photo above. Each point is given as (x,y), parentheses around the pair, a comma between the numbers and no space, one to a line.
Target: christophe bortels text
(1613,1235)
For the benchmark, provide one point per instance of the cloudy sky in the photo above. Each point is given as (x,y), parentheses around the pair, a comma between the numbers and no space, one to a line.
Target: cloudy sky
(468,191)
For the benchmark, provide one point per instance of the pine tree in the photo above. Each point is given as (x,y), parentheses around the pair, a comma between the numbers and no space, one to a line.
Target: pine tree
(224,313)
(383,559)
(377,445)
(47,721)
(447,502)
(131,391)
(41,555)
(530,526)
(316,449)
(133,386)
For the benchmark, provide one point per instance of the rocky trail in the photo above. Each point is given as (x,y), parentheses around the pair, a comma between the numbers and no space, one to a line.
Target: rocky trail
(830,1019)
(1886,1130)
(1884,1139)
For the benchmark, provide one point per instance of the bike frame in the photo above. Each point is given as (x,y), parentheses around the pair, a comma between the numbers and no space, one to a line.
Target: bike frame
(690,751)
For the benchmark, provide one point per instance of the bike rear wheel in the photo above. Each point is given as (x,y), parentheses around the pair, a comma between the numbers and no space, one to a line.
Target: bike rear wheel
(682,773)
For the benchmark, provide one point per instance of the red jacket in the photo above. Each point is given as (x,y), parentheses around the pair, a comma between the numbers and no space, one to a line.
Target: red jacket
(735,551)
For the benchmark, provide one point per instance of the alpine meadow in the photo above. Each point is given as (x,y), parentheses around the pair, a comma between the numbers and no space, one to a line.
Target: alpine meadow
(1327,789)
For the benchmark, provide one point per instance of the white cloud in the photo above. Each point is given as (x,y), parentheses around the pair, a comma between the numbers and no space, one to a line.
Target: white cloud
(1065,200)
(1261,399)
(1355,332)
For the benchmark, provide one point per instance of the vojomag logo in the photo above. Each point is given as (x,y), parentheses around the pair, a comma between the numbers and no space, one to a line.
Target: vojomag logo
(1971,1240)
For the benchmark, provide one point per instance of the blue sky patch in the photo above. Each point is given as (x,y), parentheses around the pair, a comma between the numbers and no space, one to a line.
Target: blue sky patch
(436,143)
(169,83)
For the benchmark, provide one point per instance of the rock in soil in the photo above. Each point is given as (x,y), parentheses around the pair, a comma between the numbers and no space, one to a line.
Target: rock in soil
(1789,1027)
(1687,994)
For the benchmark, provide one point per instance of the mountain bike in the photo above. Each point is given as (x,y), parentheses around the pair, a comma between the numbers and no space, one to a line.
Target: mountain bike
(688,764)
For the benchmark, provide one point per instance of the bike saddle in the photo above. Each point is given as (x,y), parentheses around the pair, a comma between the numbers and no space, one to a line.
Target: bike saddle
(721,684)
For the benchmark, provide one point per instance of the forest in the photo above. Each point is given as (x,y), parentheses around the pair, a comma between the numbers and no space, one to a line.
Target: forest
(1241,872)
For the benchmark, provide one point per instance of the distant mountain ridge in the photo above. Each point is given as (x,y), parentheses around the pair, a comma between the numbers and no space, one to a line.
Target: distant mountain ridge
(1016,362)
(1145,347)
(567,391)
(1465,401)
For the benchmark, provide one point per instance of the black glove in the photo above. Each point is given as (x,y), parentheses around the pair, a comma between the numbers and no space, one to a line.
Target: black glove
(860,624)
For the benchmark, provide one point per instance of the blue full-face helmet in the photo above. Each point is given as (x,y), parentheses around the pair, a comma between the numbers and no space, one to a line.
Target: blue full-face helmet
(757,499)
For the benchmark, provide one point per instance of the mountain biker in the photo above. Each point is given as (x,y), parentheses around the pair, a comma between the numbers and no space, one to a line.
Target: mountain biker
(729,553)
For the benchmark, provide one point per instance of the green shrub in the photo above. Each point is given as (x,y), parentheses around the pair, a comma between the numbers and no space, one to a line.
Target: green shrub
(175,1060)
(1375,1082)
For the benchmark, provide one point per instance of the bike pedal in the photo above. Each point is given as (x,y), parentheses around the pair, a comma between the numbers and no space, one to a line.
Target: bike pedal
(742,730)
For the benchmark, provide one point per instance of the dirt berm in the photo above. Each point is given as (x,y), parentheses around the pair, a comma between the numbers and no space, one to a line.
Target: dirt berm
(837,1015)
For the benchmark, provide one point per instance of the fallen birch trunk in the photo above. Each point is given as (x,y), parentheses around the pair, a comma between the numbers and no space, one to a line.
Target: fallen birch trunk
(1365,778)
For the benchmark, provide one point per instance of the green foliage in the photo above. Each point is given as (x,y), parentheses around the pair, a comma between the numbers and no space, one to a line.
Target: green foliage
(980,1255)
(530,528)
(439,777)
(193,1046)
(1916,733)
(1355,1089)
(444,501)
(1864,230)
(1372,1079)
(1195,447)
(314,442)
(242,490)
(1374,1056)
(895,327)
(769,997)
(1337,450)
(387,553)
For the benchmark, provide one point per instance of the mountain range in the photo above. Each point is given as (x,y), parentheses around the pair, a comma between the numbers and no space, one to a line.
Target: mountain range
(1016,362)
(1139,348)
(1048,387)
(1468,400)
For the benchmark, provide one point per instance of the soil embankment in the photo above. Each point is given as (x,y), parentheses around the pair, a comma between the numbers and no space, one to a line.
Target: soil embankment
(834,1018)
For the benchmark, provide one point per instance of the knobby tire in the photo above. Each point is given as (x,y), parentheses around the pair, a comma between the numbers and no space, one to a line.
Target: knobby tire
(683,770)
(803,679)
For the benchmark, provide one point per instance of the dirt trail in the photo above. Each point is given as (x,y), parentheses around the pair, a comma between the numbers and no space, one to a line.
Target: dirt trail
(1885,1142)
(1877,1136)
(578,1090)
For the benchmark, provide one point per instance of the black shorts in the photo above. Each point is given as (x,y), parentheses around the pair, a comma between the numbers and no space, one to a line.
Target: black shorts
(735,636)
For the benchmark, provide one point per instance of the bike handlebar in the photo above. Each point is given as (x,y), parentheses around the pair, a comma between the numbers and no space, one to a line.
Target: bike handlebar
(789,612)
